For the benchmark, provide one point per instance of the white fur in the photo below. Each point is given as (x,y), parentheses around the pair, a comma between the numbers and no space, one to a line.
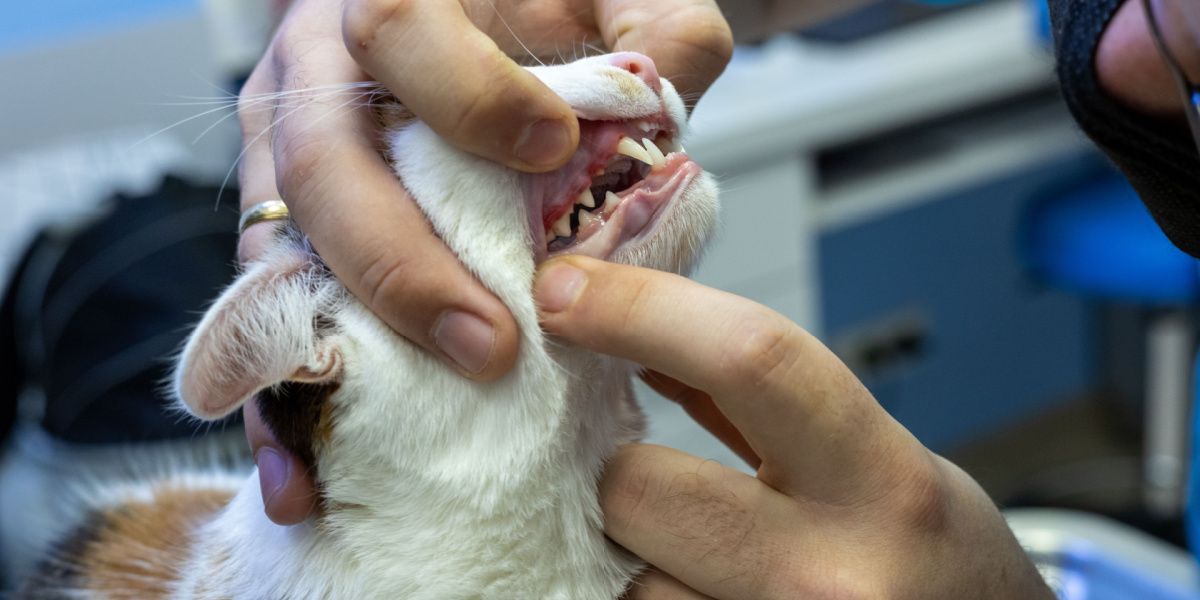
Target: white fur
(436,487)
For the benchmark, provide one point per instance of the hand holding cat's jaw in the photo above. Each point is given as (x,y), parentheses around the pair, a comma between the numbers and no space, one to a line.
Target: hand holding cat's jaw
(841,487)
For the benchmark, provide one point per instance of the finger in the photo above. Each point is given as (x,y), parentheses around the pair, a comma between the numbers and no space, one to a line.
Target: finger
(656,585)
(455,78)
(255,241)
(706,525)
(288,493)
(369,230)
(256,166)
(800,409)
(701,408)
(689,40)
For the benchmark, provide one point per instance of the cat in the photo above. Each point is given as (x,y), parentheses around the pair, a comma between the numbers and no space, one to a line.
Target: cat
(431,486)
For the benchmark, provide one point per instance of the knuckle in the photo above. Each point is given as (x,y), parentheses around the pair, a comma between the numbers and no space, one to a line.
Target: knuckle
(494,102)
(712,37)
(298,163)
(254,104)
(363,20)
(386,282)
(759,347)
(921,501)
(706,37)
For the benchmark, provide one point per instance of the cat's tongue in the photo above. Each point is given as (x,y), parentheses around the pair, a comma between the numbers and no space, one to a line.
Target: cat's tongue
(611,190)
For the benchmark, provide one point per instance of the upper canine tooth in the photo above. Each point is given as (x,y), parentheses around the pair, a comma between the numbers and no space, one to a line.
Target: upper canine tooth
(585,198)
(654,152)
(562,227)
(632,149)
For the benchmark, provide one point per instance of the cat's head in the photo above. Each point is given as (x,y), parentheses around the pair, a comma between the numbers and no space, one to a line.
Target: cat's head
(335,374)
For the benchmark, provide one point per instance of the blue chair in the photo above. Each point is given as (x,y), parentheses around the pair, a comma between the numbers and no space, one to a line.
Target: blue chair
(1098,241)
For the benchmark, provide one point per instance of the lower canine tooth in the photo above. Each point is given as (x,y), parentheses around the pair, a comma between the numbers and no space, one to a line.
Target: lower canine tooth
(611,198)
(562,227)
(654,152)
(632,149)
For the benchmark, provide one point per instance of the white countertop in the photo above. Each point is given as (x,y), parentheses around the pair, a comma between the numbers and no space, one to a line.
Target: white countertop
(792,95)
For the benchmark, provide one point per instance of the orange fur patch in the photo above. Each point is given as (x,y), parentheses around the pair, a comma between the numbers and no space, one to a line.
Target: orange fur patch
(629,87)
(140,547)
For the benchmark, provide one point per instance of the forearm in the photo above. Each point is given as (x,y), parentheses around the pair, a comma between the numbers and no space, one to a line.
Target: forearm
(752,20)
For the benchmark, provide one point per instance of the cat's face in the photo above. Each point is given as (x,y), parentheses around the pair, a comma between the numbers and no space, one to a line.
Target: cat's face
(628,195)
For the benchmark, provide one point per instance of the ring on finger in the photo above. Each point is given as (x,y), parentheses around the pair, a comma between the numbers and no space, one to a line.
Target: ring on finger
(271,210)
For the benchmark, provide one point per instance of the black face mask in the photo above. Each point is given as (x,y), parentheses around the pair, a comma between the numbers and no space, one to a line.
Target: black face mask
(1179,216)
(1159,157)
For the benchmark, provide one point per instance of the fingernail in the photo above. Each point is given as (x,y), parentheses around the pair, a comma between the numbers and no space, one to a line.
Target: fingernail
(272,472)
(543,143)
(558,287)
(466,339)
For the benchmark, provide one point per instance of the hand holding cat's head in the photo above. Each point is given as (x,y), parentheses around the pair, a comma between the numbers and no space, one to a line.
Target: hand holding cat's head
(629,195)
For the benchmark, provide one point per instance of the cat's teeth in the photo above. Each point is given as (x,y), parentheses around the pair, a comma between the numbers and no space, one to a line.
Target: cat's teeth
(632,149)
(562,227)
(611,199)
(586,218)
(645,127)
(655,153)
(585,198)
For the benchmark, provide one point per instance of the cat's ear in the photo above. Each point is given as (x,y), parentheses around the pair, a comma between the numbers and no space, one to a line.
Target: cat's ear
(261,332)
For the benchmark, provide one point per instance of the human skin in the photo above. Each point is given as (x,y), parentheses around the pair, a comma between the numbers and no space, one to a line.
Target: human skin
(891,516)
(324,159)
(1130,67)
(449,62)
(845,502)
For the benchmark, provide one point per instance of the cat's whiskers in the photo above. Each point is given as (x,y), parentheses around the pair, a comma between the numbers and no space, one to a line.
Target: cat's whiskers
(514,33)
(274,123)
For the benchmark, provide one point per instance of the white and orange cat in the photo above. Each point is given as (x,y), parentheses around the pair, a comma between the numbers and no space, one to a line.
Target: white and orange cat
(431,486)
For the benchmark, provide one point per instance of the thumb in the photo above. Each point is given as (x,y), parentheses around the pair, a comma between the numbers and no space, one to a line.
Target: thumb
(288,493)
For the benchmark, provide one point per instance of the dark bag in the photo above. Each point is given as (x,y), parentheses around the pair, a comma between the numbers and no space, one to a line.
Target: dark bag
(93,316)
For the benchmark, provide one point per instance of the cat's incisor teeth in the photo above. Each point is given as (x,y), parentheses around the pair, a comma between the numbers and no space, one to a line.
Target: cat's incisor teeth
(655,154)
(632,149)
(562,227)
(585,198)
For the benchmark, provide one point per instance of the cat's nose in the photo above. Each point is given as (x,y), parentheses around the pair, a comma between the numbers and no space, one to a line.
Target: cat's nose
(640,65)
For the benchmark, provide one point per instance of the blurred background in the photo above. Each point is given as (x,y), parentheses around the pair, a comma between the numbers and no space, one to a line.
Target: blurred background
(903,181)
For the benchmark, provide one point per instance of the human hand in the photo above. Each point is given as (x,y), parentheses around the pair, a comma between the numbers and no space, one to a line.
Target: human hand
(309,142)
(845,504)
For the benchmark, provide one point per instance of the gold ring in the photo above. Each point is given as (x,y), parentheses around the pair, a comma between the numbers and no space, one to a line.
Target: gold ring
(271,210)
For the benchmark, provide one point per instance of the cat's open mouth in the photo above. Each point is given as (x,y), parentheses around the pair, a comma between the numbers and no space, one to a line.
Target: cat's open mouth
(613,190)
